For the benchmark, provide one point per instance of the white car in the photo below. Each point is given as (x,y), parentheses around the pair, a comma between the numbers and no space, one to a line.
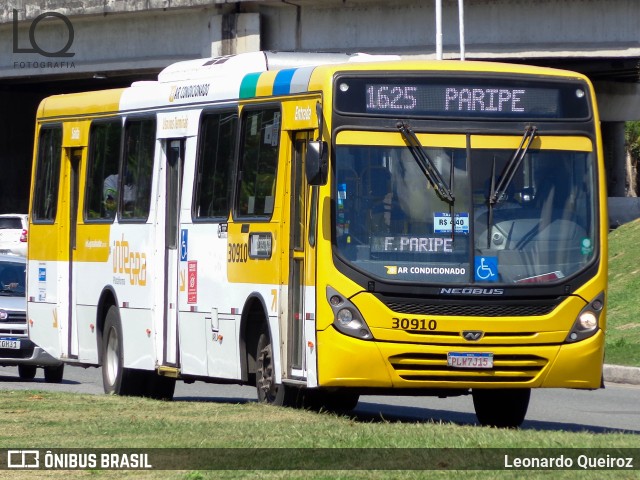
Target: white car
(13,233)
(16,349)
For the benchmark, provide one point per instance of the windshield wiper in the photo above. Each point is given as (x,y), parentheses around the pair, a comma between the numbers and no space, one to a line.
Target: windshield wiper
(498,193)
(425,163)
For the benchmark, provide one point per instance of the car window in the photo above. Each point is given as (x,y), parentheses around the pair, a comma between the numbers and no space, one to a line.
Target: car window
(12,278)
(9,222)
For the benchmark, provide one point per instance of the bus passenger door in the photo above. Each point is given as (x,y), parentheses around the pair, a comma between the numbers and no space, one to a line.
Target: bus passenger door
(73,156)
(297,251)
(174,150)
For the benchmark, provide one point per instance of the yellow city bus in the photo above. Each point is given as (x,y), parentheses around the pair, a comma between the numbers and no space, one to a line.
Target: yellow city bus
(325,226)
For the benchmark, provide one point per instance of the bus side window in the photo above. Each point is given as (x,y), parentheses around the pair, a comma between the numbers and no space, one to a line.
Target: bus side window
(215,162)
(259,161)
(137,169)
(101,198)
(45,200)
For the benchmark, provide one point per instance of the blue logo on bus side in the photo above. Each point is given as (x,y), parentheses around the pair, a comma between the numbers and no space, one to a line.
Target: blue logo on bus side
(42,274)
(184,244)
(486,269)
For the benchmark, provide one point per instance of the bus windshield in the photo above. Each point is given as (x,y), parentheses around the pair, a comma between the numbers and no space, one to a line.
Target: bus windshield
(390,222)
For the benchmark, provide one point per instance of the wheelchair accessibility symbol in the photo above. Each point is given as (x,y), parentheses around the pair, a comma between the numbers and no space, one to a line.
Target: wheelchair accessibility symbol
(184,245)
(486,269)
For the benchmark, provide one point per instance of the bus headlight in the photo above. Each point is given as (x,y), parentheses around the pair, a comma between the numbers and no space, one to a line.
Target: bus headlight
(346,317)
(588,320)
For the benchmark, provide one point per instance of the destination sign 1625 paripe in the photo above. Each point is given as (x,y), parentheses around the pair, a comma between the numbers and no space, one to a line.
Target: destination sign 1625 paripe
(457,97)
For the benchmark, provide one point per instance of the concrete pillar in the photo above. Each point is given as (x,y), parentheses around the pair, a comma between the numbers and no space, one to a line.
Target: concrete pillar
(614,158)
(235,33)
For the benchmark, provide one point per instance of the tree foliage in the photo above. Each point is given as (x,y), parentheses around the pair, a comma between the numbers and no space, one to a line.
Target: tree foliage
(632,139)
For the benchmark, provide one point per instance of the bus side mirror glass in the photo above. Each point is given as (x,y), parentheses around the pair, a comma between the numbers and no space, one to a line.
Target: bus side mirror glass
(316,162)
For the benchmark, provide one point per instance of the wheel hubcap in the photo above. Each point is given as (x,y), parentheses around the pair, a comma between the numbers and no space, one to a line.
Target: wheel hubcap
(112,361)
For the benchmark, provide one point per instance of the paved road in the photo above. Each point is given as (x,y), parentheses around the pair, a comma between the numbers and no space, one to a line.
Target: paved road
(615,408)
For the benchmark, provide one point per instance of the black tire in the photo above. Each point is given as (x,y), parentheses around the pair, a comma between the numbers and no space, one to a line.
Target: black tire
(330,400)
(159,387)
(502,408)
(54,374)
(268,390)
(341,401)
(116,379)
(27,372)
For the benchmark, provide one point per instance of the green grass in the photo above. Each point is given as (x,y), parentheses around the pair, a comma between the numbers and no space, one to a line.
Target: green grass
(623,314)
(62,420)
(65,420)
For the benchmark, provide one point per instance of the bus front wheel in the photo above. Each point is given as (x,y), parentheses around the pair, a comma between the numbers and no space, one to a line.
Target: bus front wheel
(501,407)
(338,401)
(268,390)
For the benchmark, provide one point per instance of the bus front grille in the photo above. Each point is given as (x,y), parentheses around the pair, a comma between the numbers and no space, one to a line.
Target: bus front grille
(433,368)
(472,310)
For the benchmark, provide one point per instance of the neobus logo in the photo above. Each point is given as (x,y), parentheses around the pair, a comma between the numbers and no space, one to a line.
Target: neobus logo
(133,264)
(472,291)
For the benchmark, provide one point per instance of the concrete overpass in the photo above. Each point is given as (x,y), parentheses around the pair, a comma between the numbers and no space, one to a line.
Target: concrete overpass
(61,46)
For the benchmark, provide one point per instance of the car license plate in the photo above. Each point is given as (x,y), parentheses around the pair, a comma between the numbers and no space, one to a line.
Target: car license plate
(470,360)
(11,343)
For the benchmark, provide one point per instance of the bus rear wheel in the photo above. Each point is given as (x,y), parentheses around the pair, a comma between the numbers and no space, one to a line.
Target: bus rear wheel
(501,407)
(116,379)
(268,390)
(159,387)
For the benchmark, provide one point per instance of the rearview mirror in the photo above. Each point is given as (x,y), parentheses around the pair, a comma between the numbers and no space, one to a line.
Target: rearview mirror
(316,162)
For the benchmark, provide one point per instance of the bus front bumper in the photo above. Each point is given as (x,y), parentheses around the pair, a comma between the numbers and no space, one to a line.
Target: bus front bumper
(348,362)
